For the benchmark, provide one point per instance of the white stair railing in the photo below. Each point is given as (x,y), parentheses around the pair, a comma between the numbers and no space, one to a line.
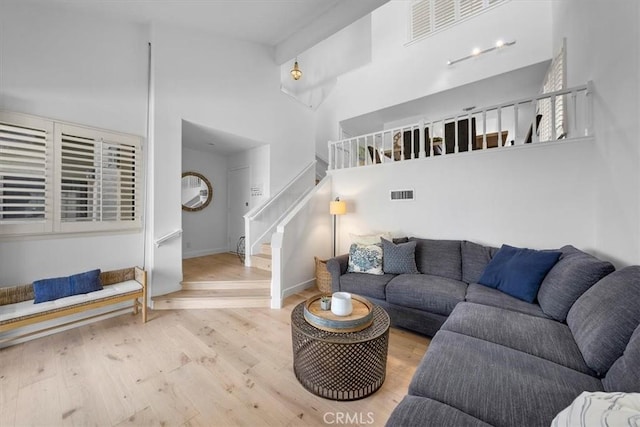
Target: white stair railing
(553,116)
(261,221)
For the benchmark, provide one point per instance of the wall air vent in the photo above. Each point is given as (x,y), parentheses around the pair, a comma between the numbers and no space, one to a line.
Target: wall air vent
(396,195)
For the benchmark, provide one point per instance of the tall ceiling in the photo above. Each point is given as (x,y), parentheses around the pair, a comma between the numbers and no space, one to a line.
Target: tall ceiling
(290,26)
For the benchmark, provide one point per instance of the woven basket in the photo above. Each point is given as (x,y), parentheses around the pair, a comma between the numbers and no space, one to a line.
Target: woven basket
(323,278)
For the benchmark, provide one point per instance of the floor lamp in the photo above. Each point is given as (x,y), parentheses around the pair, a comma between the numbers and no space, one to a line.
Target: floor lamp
(336,207)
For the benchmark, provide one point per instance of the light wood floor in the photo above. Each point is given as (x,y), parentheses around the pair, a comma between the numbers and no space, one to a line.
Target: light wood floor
(183,368)
(220,267)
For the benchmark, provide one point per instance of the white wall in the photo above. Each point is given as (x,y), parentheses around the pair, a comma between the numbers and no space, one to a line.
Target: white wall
(400,72)
(258,160)
(306,234)
(603,45)
(222,84)
(82,70)
(582,193)
(538,196)
(205,232)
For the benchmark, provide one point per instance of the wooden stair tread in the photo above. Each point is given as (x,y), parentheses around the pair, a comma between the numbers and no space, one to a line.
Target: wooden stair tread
(208,300)
(265,248)
(261,261)
(218,293)
(225,284)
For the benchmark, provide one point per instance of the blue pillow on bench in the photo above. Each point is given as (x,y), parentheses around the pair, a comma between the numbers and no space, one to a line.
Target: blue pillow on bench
(518,271)
(51,289)
(60,287)
(86,282)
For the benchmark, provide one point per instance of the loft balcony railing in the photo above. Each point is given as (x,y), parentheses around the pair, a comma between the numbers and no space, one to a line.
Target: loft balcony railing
(550,117)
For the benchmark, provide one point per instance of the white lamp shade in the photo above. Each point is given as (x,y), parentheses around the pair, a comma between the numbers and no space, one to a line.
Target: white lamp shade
(337,207)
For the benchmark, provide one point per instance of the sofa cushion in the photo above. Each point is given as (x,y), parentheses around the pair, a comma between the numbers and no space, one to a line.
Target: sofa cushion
(518,271)
(365,259)
(399,258)
(575,272)
(439,257)
(624,374)
(603,319)
(481,294)
(51,289)
(475,258)
(368,285)
(533,335)
(415,410)
(434,294)
(420,321)
(86,282)
(496,384)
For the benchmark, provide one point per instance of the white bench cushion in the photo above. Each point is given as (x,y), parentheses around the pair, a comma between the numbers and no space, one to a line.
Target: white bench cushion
(27,308)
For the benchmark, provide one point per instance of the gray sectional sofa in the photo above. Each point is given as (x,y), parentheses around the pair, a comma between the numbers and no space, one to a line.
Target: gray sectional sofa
(497,360)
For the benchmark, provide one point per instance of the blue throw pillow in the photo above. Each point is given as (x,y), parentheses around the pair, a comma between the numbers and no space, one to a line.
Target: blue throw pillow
(492,273)
(51,289)
(519,271)
(86,282)
(399,258)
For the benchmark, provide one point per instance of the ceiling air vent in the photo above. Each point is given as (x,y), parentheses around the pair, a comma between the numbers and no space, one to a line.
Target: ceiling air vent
(402,195)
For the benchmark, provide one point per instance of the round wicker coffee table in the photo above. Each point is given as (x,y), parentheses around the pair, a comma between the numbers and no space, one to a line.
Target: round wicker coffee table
(340,366)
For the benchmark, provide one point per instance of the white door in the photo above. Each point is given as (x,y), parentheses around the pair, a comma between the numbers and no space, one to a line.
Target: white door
(238,204)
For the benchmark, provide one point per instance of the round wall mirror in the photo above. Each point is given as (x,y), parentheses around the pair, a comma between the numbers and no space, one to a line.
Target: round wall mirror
(196,192)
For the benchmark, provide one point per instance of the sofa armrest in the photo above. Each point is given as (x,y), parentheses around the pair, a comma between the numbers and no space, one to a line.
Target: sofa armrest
(337,267)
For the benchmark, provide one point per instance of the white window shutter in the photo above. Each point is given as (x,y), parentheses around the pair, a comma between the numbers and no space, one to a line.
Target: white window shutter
(444,13)
(469,8)
(430,16)
(26,174)
(553,81)
(420,19)
(100,178)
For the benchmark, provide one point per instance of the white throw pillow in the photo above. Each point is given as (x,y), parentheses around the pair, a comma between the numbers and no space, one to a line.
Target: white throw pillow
(365,259)
(601,409)
(369,239)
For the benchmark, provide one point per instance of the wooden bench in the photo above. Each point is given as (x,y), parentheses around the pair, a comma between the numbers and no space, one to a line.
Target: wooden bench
(18,310)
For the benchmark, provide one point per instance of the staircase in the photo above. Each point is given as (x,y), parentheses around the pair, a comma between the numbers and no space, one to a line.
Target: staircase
(263,259)
(218,281)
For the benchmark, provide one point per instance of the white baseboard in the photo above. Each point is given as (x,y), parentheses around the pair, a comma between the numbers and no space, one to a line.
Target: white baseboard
(203,252)
(298,288)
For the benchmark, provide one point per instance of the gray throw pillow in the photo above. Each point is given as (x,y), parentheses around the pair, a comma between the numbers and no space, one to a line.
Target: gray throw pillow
(400,258)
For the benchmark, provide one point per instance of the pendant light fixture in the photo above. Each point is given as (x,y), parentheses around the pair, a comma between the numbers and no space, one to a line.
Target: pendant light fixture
(295,71)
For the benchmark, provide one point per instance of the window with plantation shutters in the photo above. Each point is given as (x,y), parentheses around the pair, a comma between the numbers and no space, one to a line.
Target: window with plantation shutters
(99,176)
(59,178)
(553,81)
(26,161)
(430,16)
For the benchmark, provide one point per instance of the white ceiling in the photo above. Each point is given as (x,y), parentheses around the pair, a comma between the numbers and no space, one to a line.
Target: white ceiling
(290,26)
(203,138)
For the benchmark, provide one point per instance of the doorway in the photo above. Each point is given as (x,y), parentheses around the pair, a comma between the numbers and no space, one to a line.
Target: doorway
(238,198)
